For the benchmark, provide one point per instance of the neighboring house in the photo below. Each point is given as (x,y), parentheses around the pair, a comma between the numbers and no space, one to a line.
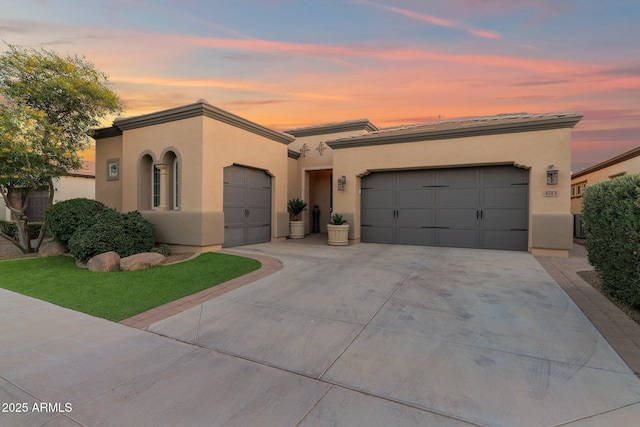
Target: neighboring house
(210,179)
(79,183)
(620,165)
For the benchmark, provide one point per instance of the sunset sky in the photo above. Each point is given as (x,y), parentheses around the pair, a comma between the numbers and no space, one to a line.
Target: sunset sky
(290,63)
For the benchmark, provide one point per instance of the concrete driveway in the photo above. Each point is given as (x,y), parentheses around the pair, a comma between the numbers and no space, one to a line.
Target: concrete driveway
(364,335)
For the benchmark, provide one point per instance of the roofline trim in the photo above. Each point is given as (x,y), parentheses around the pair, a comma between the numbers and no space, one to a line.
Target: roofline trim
(201,108)
(103,133)
(322,129)
(293,154)
(634,152)
(383,138)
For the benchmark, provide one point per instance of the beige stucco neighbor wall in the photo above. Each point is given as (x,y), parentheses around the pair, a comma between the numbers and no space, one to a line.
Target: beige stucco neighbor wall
(626,167)
(534,151)
(106,191)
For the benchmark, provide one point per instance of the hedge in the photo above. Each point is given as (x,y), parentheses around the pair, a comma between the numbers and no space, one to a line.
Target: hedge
(127,234)
(611,215)
(65,218)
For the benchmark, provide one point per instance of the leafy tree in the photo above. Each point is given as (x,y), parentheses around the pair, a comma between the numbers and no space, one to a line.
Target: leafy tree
(48,106)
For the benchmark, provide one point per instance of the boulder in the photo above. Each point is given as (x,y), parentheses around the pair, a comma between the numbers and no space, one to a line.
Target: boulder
(52,248)
(141,261)
(108,261)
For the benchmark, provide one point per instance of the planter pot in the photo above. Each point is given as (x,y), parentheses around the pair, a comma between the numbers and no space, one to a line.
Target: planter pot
(338,234)
(296,229)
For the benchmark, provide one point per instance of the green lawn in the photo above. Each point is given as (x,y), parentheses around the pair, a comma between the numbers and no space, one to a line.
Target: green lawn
(118,295)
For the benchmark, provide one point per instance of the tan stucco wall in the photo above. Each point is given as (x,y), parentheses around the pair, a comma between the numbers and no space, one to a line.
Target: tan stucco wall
(225,145)
(532,150)
(628,167)
(109,192)
(203,146)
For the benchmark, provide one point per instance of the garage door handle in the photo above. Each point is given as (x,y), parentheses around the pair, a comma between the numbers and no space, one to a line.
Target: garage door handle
(481,214)
(477,214)
(246,213)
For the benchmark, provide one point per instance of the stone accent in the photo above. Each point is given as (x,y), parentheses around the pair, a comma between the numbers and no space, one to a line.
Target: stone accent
(141,261)
(52,248)
(108,261)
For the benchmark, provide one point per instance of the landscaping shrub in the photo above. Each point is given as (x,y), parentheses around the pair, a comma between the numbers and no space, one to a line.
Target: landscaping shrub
(611,215)
(64,218)
(127,234)
(9,228)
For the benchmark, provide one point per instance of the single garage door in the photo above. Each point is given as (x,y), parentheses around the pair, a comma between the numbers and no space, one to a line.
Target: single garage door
(247,206)
(475,207)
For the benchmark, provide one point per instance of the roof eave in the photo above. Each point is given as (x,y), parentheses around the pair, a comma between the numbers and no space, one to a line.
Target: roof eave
(201,109)
(355,125)
(635,152)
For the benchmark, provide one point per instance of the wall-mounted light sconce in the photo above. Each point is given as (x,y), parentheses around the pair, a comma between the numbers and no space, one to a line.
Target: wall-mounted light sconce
(321,147)
(341,182)
(552,175)
(304,150)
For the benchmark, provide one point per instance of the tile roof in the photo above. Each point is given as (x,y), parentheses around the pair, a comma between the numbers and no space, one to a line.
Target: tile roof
(462,127)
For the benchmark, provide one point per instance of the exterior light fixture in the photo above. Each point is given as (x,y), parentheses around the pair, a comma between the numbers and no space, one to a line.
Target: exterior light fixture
(304,150)
(341,182)
(552,175)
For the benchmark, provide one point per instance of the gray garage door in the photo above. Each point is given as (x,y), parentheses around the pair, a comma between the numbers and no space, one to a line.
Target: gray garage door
(247,206)
(478,207)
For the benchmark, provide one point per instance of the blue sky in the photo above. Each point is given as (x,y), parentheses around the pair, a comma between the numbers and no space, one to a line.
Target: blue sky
(287,63)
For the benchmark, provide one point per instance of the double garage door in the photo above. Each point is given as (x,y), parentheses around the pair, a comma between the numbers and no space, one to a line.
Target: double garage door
(475,207)
(247,206)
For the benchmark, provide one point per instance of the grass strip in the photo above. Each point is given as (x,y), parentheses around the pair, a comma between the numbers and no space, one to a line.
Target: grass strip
(118,295)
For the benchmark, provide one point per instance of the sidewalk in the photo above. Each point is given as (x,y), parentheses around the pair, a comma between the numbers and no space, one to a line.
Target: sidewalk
(618,329)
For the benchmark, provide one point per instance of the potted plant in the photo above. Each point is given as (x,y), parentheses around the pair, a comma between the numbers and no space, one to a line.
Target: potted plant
(296,227)
(338,230)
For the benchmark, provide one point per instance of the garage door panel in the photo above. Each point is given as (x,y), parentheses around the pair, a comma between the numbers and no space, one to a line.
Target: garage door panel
(457,238)
(257,178)
(462,177)
(422,198)
(505,219)
(417,179)
(415,217)
(379,181)
(234,236)
(377,199)
(511,197)
(457,218)
(233,195)
(259,233)
(258,197)
(234,175)
(416,236)
(505,239)
(377,234)
(377,217)
(463,197)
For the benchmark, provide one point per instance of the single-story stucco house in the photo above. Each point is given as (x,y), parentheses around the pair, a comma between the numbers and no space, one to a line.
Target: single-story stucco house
(620,165)
(210,179)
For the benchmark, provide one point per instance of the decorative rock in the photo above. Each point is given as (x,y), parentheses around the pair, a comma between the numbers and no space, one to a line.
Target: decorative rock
(142,261)
(52,248)
(108,261)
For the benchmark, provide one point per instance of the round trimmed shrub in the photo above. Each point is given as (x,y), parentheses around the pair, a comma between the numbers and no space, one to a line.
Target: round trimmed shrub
(64,218)
(127,234)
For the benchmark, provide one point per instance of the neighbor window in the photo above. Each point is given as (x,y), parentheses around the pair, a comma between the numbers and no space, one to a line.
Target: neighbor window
(577,189)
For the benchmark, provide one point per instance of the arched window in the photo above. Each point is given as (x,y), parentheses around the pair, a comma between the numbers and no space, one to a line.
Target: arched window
(145,183)
(176,184)
(155,187)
